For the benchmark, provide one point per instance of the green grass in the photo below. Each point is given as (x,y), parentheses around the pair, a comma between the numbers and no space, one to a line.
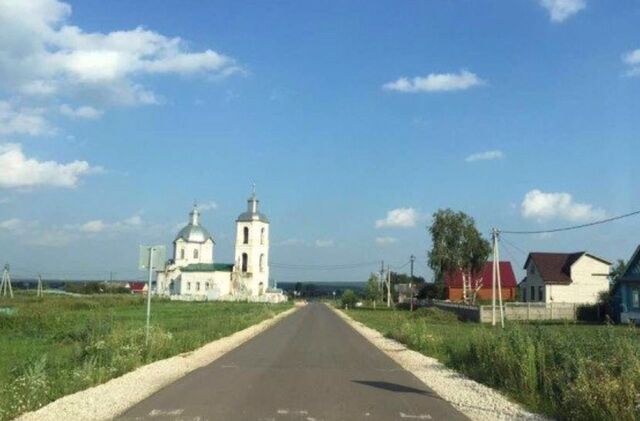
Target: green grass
(57,345)
(564,370)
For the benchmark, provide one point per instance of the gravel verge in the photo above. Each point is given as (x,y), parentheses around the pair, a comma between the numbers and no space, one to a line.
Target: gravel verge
(106,401)
(475,400)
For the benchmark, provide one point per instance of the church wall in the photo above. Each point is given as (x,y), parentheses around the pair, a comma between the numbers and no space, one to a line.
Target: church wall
(205,252)
(205,283)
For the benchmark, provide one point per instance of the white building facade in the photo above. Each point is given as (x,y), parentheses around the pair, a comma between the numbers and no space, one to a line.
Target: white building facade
(577,278)
(193,274)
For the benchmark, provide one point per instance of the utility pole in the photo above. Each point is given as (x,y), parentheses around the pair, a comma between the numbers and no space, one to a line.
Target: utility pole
(388,286)
(39,292)
(381,279)
(413,259)
(495,234)
(5,284)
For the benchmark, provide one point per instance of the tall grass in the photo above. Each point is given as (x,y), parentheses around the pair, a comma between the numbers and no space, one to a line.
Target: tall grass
(567,371)
(55,346)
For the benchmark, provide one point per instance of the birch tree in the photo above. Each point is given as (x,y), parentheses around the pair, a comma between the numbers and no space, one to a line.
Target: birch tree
(457,246)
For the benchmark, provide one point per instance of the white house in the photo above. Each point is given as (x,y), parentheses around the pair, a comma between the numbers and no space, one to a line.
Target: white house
(564,278)
(193,274)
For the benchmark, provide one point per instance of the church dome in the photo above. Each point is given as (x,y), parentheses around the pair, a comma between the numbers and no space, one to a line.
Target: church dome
(193,232)
(252,213)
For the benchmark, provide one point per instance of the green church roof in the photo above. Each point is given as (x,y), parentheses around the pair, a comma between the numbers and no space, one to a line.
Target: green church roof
(208,267)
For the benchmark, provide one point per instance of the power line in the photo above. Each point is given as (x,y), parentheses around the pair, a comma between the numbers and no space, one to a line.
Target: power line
(514,246)
(322,267)
(574,227)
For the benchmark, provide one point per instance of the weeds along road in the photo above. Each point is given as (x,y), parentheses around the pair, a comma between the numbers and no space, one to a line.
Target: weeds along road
(309,366)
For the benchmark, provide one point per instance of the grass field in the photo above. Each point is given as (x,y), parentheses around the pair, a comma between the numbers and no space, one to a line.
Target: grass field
(567,371)
(57,345)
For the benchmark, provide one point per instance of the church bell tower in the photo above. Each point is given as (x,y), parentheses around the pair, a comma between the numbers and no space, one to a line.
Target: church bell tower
(252,247)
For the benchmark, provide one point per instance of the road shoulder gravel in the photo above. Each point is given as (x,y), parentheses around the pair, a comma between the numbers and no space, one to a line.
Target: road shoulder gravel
(475,400)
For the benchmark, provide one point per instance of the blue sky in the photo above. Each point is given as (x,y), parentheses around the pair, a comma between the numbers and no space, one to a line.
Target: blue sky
(356,120)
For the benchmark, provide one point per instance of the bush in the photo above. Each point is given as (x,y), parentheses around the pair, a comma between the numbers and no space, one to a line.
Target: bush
(435,315)
(349,299)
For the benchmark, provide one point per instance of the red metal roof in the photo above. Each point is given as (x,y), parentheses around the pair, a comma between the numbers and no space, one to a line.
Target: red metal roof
(508,278)
(137,286)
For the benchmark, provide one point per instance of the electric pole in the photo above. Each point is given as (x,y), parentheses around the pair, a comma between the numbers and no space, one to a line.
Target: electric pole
(39,292)
(5,284)
(381,279)
(413,259)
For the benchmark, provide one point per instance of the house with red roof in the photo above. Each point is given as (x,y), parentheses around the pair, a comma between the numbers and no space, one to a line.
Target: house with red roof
(577,278)
(137,287)
(484,280)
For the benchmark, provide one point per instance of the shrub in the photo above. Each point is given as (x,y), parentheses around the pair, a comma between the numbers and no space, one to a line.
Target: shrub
(349,299)
(435,315)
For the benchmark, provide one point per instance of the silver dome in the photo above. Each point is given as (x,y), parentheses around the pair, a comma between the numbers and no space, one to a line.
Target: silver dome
(252,213)
(194,234)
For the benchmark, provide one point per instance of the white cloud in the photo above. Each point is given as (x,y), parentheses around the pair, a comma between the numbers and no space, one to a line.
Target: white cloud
(43,54)
(84,111)
(435,83)
(18,171)
(11,224)
(93,226)
(400,217)
(386,240)
(485,156)
(560,10)
(324,243)
(632,60)
(208,206)
(98,225)
(546,206)
(27,121)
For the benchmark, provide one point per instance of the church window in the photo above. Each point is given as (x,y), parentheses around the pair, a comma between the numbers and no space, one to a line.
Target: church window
(245,262)
(182,253)
(207,285)
(262,263)
(197,286)
(195,253)
(188,286)
(262,236)
(245,236)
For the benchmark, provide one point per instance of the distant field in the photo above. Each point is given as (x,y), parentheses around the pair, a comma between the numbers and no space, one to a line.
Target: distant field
(58,345)
(568,371)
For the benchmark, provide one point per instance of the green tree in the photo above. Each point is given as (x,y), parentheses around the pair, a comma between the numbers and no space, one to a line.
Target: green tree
(617,270)
(373,292)
(349,299)
(457,246)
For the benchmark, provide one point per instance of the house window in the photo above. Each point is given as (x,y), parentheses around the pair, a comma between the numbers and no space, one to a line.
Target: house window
(533,270)
(188,286)
(524,294)
(245,235)
(245,262)
(262,236)
(197,286)
(195,253)
(182,253)
(262,263)
(541,293)
(635,298)
(533,293)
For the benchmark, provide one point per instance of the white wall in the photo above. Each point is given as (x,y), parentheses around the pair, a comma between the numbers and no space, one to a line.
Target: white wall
(587,283)
(205,252)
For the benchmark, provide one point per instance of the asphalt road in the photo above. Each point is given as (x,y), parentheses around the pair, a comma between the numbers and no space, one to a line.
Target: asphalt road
(310,366)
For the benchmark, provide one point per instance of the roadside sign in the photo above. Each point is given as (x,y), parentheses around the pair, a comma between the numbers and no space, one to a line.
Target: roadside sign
(159,257)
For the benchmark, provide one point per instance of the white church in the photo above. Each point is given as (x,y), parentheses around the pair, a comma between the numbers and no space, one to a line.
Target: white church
(193,274)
